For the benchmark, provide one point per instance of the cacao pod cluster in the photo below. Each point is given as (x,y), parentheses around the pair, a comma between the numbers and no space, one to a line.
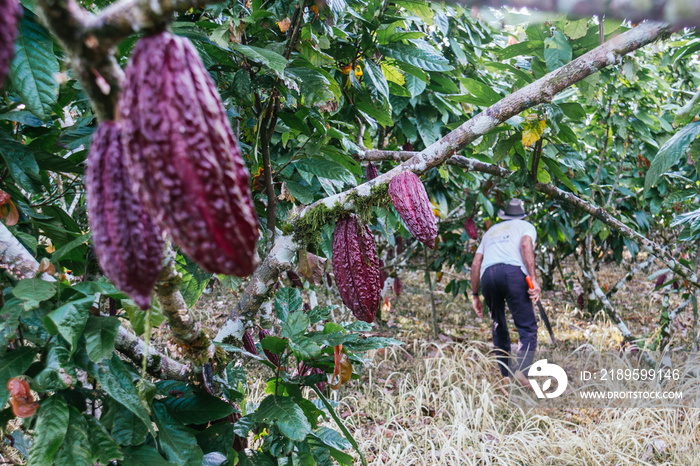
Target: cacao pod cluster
(184,166)
(356,268)
(9,19)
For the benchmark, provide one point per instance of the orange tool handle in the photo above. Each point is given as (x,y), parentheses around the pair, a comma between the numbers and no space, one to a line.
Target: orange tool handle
(529,281)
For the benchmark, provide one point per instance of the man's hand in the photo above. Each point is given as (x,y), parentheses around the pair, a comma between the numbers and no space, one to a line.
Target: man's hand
(535,291)
(478,306)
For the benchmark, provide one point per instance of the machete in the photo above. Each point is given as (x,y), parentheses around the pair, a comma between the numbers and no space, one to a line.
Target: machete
(542,313)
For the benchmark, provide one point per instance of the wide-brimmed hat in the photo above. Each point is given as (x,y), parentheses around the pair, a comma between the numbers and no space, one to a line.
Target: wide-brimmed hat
(514,210)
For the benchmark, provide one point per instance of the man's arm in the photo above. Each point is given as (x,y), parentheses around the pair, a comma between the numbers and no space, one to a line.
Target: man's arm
(475,279)
(528,253)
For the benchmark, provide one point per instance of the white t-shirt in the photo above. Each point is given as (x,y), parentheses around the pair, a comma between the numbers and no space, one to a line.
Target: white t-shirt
(501,244)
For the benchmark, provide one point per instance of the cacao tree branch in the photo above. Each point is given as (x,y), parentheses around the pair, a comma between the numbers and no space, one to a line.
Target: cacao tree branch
(16,259)
(679,12)
(185,329)
(628,276)
(542,90)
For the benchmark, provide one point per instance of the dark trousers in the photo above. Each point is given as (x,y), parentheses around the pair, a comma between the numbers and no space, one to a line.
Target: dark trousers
(503,283)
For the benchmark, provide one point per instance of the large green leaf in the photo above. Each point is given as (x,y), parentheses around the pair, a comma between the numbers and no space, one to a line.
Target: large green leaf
(50,430)
(178,443)
(33,291)
(415,85)
(287,300)
(33,68)
(103,447)
(557,51)
(415,56)
(272,60)
(100,333)
(69,320)
(325,169)
(194,279)
(296,325)
(144,455)
(198,408)
(76,447)
(286,414)
(128,429)
(529,47)
(376,80)
(20,162)
(314,85)
(670,153)
(12,364)
(116,381)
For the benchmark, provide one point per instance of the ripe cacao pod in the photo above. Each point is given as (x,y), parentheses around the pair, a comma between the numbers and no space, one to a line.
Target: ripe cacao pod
(399,245)
(11,12)
(248,343)
(398,286)
(185,161)
(660,280)
(128,243)
(356,268)
(294,278)
(579,301)
(382,274)
(372,172)
(411,202)
(272,357)
(470,228)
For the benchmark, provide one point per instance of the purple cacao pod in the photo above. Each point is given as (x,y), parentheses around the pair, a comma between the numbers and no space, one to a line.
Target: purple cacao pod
(356,268)
(675,285)
(470,228)
(128,243)
(579,301)
(184,159)
(11,11)
(329,280)
(411,202)
(398,286)
(660,280)
(399,245)
(382,274)
(294,278)
(248,343)
(272,357)
(372,172)
(321,385)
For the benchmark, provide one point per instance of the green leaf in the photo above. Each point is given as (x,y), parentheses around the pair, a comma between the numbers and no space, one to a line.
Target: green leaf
(137,317)
(332,438)
(20,163)
(33,68)
(304,348)
(128,429)
(100,333)
(528,47)
(64,250)
(102,446)
(325,169)
(415,85)
(33,291)
(69,320)
(371,343)
(58,365)
(374,76)
(286,414)
(415,56)
(272,60)
(12,364)
(144,455)
(670,153)
(320,313)
(178,444)
(557,51)
(116,381)
(274,344)
(198,408)
(574,111)
(576,29)
(287,300)
(50,430)
(315,86)
(392,74)
(296,325)
(481,91)
(75,449)
(194,279)
(381,114)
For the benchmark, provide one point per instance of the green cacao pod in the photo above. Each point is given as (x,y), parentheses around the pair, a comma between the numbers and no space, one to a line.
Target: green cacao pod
(128,243)
(10,12)
(411,202)
(356,268)
(185,161)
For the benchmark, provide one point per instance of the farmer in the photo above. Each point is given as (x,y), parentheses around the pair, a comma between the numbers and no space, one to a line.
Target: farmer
(501,263)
